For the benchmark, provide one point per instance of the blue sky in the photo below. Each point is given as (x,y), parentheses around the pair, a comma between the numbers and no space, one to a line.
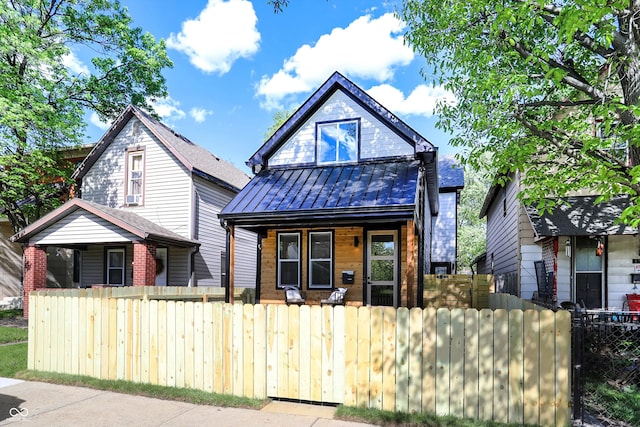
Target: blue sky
(236,63)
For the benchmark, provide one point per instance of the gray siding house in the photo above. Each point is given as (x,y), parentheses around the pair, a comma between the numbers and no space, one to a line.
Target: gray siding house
(577,253)
(144,184)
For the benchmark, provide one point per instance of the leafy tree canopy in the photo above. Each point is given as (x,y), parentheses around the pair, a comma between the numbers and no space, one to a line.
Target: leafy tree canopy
(471,228)
(43,98)
(549,88)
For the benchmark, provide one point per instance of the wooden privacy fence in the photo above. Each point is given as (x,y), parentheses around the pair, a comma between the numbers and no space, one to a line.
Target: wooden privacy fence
(457,290)
(466,363)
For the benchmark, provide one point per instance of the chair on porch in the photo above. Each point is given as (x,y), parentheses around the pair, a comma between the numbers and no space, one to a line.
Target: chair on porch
(545,282)
(336,297)
(292,296)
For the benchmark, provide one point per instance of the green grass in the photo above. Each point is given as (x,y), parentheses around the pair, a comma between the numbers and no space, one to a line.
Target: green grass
(619,403)
(9,334)
(197,397)
(388,418)
(13,359)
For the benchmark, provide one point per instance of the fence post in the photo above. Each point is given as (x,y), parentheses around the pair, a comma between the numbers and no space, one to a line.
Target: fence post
(577,359)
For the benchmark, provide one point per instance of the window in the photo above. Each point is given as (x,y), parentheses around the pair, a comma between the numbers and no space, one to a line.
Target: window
(337,142)
(115,266)
(320,259)
(288,259)
(135,172)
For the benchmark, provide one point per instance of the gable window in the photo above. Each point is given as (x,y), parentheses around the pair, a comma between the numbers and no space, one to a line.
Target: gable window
(288,259)
(320,259)
(135,177)
(115,266)
(337,142)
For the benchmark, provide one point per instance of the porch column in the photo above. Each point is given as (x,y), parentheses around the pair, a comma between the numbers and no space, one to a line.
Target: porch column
(232,255)
(411,263)
(34,272)
(144,264)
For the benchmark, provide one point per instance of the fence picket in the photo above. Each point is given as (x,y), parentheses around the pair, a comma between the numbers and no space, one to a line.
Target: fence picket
(486,365)
(414,373)
(471,364)
(500,395)
(364,357)
(402,360)
(443,359)
(516,367)
(457,363)
(531,363)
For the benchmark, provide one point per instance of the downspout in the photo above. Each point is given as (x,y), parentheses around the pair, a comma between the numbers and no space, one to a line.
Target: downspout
(258,268)
(227,259)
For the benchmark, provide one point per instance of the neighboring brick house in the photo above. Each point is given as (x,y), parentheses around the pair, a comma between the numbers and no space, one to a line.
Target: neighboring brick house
(345,194)
(146,214)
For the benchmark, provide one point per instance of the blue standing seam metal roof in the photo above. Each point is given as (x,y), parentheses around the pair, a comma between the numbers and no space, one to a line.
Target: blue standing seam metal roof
(347,188)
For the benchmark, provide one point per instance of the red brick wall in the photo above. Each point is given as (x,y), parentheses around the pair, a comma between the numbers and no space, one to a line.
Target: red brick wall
(144,264)
(35,273)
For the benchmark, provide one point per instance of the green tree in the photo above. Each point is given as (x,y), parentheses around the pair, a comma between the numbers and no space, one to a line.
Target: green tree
(548,88)
(279,117)
(471,228)
(43,99)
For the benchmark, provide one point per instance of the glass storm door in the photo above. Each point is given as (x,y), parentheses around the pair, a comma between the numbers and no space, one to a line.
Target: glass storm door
(588,273)
(382,267)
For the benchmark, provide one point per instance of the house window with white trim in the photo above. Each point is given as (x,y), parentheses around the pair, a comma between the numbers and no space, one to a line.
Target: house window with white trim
(337,142)
(135,178)
(320,259)
(115,266)
(288,260)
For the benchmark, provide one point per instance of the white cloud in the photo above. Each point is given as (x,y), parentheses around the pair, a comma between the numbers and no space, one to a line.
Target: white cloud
(199,114)
(223,32)
(422,101)
(168,109)
(366,49)
(95,120)
(73,63)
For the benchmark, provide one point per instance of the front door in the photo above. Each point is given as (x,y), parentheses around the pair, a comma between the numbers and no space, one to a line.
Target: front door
(588,269)
(382,268)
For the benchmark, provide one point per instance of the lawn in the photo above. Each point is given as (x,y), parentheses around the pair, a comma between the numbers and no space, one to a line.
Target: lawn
(9,334)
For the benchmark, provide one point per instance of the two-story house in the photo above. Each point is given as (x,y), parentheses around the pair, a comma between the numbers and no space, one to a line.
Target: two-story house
(345,194)
(146,214)
(591,257)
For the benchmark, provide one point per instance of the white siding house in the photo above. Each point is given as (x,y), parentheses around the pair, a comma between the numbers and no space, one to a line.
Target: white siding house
(146,190)
(590,255)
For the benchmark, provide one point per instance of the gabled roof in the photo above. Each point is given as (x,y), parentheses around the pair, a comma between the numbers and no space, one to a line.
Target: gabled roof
(581,216)
(126,220)
(345,191)
(195,158)
(338,82)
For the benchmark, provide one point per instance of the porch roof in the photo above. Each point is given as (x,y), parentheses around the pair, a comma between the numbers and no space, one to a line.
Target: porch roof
(124,219)
(581,216)
(381,190)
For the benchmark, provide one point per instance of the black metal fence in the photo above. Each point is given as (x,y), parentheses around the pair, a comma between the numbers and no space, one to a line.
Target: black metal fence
(606,366)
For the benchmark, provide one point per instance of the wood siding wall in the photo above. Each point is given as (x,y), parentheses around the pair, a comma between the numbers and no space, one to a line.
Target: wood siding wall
(445,230)
(346,257)
(376,140)
(466,363)
(502,231)
(211,199)
(167,184)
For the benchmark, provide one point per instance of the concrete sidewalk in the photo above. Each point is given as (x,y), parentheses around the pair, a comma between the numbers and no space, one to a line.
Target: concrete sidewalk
(43,404)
